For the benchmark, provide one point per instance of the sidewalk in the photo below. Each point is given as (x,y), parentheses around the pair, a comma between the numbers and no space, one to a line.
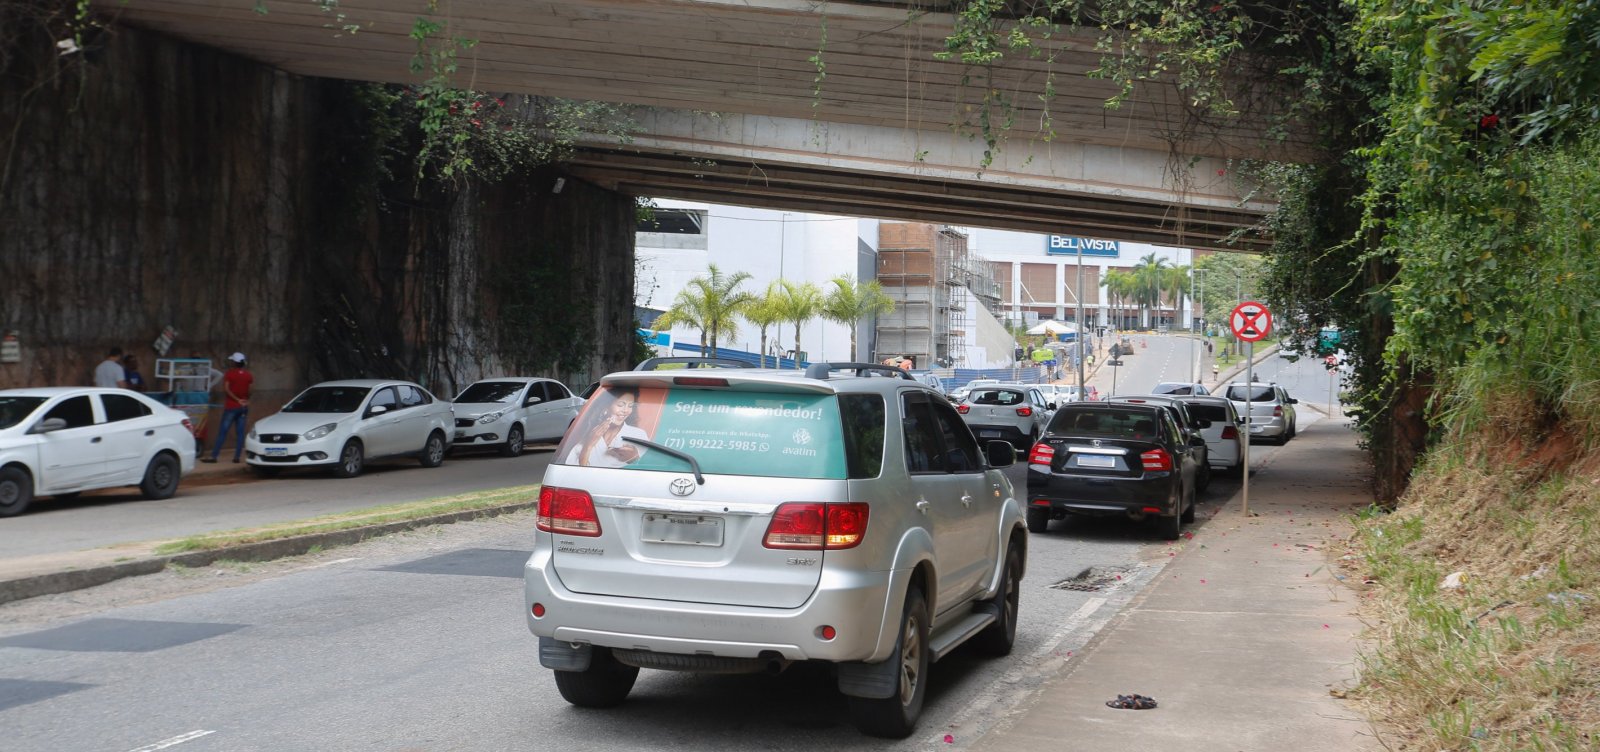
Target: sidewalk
(1242,636)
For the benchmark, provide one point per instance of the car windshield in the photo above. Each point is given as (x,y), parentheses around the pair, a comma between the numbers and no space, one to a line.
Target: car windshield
(1242,393)
(1107,424)
(14,410)
(328,399)
(490,391)
(729,433)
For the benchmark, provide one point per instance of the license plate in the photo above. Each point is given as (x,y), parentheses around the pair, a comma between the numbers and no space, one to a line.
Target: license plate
(989,434)
(686,529)
(1095,460)
(1257,429)
(276,451)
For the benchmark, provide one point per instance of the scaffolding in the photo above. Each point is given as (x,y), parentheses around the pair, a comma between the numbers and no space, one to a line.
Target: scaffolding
(935,283)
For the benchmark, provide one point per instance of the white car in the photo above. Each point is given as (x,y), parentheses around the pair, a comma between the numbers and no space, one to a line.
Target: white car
(506,413)
(1224,437)
(61,441)
(345,424)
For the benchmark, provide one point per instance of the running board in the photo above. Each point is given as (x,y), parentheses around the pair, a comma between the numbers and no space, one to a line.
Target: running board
(960,632)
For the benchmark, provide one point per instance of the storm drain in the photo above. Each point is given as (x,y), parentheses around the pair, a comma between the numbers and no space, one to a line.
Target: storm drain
(1093,580)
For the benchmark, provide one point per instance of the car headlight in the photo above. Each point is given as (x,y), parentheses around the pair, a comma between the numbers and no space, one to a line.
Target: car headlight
(491,417)
(252,433)
(320,431)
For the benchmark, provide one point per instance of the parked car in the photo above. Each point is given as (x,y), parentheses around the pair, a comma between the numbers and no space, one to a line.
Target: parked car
(505,413)
(1269,407)
(960,393)
(1014,413)
(1224,442)
(927,377)
(738,520)
(62,441)
(1187,423)
(1069,393)
(343,425)
(1114,458)
(1180,388)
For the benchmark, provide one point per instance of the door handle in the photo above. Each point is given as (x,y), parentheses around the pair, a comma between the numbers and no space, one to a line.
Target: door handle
(922,506)
(95,440)
(150,432)
(966,498)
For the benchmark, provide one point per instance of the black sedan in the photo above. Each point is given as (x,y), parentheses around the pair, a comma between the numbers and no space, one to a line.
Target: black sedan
(1114,459)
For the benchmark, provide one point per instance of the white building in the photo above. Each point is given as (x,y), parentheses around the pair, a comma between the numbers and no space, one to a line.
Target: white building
(685,237)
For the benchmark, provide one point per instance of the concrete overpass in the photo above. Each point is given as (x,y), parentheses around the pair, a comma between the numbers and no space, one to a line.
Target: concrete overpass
(736,114)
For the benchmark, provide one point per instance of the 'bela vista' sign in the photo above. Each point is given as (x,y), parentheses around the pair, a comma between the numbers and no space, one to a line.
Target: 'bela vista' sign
(1069,245)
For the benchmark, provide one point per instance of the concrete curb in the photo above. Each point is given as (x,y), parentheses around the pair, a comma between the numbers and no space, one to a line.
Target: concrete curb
(52,583)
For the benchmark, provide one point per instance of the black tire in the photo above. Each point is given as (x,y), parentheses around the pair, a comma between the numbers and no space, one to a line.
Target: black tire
(161,477)
(605,684)
(1038,519)
(1203,477)
(997,639)
(1188,511)
(896,717)
(514,443)
(16,491)
(265,472)
(352,460)
(433,450)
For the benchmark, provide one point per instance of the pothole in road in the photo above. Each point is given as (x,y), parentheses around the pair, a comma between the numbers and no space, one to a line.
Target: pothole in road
(1093,580)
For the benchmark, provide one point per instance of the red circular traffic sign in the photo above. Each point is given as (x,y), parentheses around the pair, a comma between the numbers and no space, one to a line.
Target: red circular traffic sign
(1251,321)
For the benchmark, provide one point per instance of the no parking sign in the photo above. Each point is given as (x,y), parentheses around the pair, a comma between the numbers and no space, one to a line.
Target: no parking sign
(1251,321)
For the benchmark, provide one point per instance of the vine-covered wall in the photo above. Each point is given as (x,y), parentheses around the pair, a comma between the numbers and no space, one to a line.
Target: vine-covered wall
(158,183)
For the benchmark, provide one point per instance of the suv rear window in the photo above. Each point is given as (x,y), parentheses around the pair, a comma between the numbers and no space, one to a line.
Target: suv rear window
(1257,393)
(727,432)
(1208,411)
(995,397)
(1108,424)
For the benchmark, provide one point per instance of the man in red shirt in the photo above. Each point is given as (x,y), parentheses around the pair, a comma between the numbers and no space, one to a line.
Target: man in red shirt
(235,407)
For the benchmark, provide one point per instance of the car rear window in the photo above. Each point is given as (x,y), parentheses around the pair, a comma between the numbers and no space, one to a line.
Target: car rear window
(996,397)
(1107,424)
(1256,393)
(1208,411)
(727,432)
(1173,389)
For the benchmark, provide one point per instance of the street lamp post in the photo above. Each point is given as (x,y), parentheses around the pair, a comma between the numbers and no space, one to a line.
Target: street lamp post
(1194,354)
(1079,338)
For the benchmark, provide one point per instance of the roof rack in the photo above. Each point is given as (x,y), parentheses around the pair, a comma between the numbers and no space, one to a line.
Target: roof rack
(684,361)
(824,370)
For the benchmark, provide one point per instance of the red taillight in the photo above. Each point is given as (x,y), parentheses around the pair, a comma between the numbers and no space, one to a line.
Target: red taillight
(568,512)
(962,409)
(1229,432)
(698,381)
(814,526)
(1042,454)
(1156,459)
(1277,411)
(1024,411)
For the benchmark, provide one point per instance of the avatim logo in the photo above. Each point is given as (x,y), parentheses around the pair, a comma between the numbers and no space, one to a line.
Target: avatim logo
(801,436)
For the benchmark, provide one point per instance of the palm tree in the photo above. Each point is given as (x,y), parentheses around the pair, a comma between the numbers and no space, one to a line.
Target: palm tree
(709,304)
(1150,278)
(765,311)
(1175,283)
(1120,286)
(799,303)
(850,301)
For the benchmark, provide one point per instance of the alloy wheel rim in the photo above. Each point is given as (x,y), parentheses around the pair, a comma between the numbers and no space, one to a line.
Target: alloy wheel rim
(435,449)
(163,475)
(352,461)
(910,662)
(516,441)
(10,492)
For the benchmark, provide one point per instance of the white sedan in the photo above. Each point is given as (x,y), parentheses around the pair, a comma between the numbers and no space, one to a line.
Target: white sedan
(345,424)
(506,413)
(61,441)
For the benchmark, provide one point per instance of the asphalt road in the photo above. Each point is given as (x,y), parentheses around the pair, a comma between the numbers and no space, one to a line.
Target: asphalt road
(120,516)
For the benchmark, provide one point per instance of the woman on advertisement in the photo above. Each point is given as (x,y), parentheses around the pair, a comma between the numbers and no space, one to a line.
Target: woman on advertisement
(602,439)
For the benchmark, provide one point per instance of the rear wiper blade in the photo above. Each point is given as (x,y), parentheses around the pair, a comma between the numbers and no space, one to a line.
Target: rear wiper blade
(685,456)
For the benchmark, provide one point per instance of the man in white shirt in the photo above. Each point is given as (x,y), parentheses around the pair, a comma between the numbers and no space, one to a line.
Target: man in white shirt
(109,373)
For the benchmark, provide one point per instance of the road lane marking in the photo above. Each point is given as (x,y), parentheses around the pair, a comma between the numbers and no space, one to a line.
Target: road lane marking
(174,741)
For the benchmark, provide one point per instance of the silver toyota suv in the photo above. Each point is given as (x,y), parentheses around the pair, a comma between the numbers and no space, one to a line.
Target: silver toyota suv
(740,520)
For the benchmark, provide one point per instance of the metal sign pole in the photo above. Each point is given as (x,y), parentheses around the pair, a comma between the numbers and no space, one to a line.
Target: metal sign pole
(1249,407)
(1081,354)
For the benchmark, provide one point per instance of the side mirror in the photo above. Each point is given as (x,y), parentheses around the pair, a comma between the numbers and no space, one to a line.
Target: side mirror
(532,401)
(1051,405)
(1202,424)
(47,425)
(1293,401)
(1000,453)
(1198,441)
(376,410)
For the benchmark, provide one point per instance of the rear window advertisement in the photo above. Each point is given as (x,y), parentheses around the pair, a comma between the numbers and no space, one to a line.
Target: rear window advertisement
(729,433)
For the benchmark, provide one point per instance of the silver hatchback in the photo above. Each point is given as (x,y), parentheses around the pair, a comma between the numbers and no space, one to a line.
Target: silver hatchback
(741,520)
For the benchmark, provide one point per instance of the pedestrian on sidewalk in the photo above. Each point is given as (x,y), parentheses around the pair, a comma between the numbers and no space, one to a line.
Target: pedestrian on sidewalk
(130,373)
(109,374)
(235,407)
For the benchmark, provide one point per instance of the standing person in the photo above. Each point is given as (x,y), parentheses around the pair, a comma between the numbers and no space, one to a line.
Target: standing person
(130,373)
(109,374)
(235,407)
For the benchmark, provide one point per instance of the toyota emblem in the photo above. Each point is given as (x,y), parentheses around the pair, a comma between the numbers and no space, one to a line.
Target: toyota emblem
(1096,442)
(681,487)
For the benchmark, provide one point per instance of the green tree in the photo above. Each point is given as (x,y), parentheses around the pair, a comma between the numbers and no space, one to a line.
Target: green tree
(850,301)
(765,311)
(1150,278)
(1119,286)
(710,304)
(800,303)
(1175,284)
